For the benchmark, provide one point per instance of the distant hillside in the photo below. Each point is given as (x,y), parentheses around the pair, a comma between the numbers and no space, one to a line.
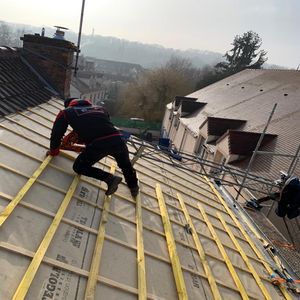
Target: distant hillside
(115,49)
(147,55)
(111,48)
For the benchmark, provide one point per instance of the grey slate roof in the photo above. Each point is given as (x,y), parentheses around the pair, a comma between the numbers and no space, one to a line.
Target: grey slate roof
(19,86)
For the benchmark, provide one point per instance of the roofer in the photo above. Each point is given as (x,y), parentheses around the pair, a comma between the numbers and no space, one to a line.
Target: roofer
(94,129)
(288,198)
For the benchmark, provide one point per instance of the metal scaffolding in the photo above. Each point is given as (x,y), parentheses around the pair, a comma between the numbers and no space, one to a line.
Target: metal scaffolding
(237,177)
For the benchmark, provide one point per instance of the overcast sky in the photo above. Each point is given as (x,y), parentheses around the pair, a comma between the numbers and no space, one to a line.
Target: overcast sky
(182,24)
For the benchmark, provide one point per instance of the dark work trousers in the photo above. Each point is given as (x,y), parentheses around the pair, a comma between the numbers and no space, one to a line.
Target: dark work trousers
(273,196)
(99,149)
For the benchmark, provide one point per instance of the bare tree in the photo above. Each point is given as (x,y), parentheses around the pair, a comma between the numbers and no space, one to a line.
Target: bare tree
(5,35)
(15,40)
(147,96)
(10,36)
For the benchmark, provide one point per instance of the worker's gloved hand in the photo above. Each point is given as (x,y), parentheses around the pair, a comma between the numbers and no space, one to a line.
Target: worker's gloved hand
(53,152)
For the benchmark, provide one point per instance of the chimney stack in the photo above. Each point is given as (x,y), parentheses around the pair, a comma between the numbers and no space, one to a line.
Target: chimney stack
(52,59)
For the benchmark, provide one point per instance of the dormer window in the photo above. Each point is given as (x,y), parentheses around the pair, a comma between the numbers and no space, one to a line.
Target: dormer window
(237,145)
(188,108)
(213,128)
(178,99)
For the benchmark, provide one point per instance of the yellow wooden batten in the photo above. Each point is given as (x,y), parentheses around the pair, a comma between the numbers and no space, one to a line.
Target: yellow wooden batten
(142,287)
(225,256)
(40,253)
(94,269)
(201,252)
(12,205)
(177,271)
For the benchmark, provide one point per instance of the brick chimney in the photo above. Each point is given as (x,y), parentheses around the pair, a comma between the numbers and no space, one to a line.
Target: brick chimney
(52,59)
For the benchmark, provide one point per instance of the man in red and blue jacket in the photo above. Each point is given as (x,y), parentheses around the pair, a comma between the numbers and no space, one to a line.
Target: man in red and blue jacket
(94,129)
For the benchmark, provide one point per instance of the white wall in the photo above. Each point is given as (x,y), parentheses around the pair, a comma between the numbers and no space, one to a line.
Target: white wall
(177,135)
(189,142)
(173,129)
(223,147)
(166,122)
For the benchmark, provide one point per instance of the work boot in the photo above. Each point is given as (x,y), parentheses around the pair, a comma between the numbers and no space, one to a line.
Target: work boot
(254,204)
(134,191)
(112,184)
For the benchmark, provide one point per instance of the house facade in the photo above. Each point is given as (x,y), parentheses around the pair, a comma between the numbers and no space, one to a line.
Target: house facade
(101,80)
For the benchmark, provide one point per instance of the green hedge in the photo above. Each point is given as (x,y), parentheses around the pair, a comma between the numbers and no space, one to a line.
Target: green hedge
(136,124)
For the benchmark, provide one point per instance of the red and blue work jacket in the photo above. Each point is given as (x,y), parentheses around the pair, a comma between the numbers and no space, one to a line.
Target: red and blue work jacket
(89,122)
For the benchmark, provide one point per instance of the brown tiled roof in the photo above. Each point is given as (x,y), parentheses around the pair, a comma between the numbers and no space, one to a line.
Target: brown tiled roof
(19,86)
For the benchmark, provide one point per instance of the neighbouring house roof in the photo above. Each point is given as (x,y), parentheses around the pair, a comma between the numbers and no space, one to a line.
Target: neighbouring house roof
(117,67)
(250,95)
(80,85)
(19,86)
(88,74)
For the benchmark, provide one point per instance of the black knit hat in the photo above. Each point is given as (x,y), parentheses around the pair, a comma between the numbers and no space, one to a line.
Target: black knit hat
(68,100)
